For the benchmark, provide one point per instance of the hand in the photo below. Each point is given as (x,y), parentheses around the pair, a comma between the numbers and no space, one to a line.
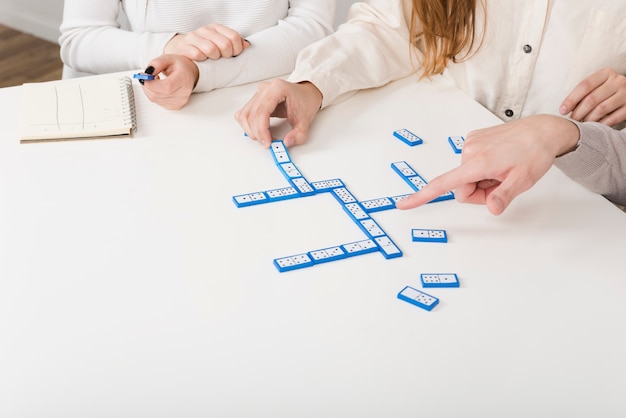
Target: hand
(601,97)
(500,162)
(212,41)
(173,91)
(298,103)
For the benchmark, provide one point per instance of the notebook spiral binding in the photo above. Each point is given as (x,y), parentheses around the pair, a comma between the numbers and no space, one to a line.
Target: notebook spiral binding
(130,115)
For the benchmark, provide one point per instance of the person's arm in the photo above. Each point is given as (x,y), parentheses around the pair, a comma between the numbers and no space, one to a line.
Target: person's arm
(273,51)
(599,161)
(500,162)
(601,97)
(369,50)
(92,40)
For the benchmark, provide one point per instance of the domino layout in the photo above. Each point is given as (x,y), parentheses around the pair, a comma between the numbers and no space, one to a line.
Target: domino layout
(457,143)
(418,298)
(377,239)
(439,280)
(408,137)
(429,235)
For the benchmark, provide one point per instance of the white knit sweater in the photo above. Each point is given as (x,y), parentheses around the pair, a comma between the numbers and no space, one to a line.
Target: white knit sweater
(102,36)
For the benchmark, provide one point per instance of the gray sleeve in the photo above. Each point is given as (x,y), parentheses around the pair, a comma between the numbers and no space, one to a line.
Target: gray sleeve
(599,161)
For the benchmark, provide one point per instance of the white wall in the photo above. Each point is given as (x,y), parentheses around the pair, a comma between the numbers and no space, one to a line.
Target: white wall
(43,17)
(38,17)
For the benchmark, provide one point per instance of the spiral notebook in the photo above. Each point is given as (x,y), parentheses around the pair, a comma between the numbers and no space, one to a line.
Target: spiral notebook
(82,108)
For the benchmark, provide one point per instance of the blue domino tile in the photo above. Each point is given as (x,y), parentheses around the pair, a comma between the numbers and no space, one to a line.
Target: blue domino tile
(356,211)
(407,137)
(279,152)
(456,142)
(343,195)
(283,193)
(376,205)
(250,199)
(326,185)
(293,262)
(289,170)
(303,186)
(328,254)
(439,280)
(418,298)
(360,247)
(429,235)
(388,247)
(371,228)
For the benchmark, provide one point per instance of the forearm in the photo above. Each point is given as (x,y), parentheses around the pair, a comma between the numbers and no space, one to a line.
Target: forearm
(370,50)
(92,41)
(599,161)
(273,51)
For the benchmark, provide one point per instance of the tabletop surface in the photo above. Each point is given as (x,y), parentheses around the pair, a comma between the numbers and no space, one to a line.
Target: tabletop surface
(131,285)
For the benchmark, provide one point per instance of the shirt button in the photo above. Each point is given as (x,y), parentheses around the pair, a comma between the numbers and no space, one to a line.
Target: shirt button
(508,113)
(528,49)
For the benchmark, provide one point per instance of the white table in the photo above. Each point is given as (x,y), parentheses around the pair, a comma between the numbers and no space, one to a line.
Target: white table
(132,286)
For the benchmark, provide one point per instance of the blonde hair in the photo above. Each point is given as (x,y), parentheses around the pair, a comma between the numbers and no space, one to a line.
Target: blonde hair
(444,30)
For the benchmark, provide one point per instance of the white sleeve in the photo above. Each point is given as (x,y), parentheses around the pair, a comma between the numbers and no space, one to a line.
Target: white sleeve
(371,49)
(273,51)
(92,40)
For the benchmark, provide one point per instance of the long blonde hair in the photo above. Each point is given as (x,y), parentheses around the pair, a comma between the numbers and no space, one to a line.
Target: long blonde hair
(444,30)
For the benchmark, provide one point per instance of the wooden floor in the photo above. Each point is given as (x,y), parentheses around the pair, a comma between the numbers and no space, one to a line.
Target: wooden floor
(26,58)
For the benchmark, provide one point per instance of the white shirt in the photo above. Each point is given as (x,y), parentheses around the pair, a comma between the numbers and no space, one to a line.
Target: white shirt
(94,40)
(534,52)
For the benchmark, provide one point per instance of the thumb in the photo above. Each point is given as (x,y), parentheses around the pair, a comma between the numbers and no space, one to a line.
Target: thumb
(501,196)
(297,135)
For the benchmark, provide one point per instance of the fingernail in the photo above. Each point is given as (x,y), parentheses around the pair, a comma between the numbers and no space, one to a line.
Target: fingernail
(149,70)
(248,41)
(141,82)
(563,110)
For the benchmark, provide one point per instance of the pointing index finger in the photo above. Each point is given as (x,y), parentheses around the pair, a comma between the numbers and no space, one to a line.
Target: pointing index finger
(438,186)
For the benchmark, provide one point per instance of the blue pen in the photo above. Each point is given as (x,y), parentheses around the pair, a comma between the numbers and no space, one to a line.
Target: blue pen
(143,76)
(146,75)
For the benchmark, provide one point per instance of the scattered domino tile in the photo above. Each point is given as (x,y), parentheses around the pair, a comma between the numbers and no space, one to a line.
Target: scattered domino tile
(387,247)
(439,280)
(293,262)
(407,137)
(403,168)
(418,298)
(250,199)
(457,143)
(327,254)
(429,235)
